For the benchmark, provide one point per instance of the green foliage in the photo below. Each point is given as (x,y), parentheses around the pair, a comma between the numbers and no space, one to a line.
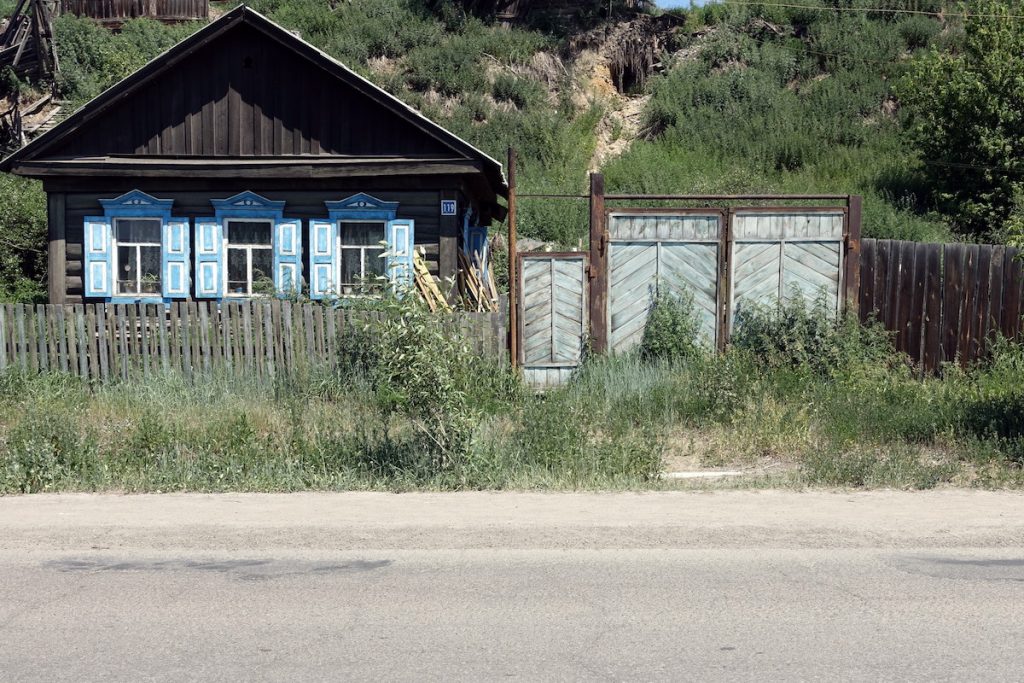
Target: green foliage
(417,368)
(672,329)
(804,106)
(92,59)
(522,92)
(22,240)
(966,120)
(863,418)
(43,451)
(795,334)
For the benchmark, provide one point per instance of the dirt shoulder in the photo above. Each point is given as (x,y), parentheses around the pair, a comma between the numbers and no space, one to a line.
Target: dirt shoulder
(308,521)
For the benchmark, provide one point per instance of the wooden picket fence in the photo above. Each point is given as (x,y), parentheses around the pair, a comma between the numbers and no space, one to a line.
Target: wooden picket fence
(247,338)
(943,302)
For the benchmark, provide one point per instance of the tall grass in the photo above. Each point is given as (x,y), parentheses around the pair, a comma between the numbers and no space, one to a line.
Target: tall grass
(825,402)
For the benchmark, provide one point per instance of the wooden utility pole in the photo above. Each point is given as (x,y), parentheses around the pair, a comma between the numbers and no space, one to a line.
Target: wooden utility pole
(513,276)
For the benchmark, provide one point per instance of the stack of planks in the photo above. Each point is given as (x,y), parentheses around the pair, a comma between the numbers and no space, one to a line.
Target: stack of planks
(476,284)
(426,285)
(26,42)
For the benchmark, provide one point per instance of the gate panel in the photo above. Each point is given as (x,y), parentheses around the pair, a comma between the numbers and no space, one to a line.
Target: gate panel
(553,318)
(673,249)
(782,254)
(694,268)
(811,269)
(632,288)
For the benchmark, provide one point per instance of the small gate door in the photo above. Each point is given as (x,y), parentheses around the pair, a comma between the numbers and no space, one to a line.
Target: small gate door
(552,317)
(678,250)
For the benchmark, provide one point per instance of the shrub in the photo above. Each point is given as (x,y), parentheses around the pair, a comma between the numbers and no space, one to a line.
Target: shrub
(796,334)
(522,92)
(672,330)
(420,368)
(46,452)
(918,31)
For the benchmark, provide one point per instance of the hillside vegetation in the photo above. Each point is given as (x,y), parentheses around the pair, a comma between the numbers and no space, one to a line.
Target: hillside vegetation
(741,98)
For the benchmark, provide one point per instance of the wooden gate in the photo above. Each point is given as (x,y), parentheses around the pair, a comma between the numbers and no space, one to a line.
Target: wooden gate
(782,253)
(552,316)
(674,250)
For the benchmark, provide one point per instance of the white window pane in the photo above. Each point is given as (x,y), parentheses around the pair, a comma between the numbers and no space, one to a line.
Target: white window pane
(139,230)
(362,234)
(127,270)
(238,271)
(249,232)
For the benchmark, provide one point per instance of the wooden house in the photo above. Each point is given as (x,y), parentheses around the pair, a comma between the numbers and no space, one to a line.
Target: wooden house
(243,161)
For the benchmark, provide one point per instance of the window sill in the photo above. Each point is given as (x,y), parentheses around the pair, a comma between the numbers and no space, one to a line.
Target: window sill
(145,299)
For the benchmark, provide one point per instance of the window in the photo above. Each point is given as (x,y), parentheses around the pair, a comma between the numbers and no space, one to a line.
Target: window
(362,256)
(359,248)
(136,251)
(250,257)
(138,256)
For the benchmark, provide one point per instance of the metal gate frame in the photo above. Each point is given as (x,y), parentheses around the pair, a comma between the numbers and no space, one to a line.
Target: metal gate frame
(723,284)
(596,283)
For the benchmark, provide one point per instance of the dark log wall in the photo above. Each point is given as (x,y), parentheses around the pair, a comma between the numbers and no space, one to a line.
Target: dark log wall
(247,95)
(438,236)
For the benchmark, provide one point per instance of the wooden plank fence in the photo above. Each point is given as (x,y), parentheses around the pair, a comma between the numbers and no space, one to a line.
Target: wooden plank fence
(944,302)
(260,339)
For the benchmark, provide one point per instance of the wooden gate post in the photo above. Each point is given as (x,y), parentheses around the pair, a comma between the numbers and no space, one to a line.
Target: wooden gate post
(598,268)
(851,275)
(513,276)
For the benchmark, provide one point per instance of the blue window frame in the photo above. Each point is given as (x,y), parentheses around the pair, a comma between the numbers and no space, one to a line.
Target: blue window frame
(248,248)
(136,252)
(360,245)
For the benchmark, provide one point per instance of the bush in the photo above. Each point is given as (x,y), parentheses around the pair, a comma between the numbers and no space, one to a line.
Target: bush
(796,334)
(418,368)
(672,330)
(46,452)
(522,92)
(918,31)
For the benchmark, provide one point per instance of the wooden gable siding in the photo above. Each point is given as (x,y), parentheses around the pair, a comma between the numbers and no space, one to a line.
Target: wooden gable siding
(247,95)
(438,237)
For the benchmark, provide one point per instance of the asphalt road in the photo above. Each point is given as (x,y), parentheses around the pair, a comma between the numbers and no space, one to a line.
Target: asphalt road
(722,586)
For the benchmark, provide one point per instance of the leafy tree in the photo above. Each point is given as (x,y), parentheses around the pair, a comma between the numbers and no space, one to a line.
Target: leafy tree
(966,120)
(22,240)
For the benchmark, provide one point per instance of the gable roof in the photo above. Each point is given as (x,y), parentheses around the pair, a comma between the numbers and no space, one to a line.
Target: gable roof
(426,139)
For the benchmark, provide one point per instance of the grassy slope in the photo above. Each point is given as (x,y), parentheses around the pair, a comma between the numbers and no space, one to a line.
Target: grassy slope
(757,100)
(783,100)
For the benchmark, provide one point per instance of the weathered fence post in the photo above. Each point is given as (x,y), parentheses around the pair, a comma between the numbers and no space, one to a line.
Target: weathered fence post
(513,277)
(854,218)
(598,269)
